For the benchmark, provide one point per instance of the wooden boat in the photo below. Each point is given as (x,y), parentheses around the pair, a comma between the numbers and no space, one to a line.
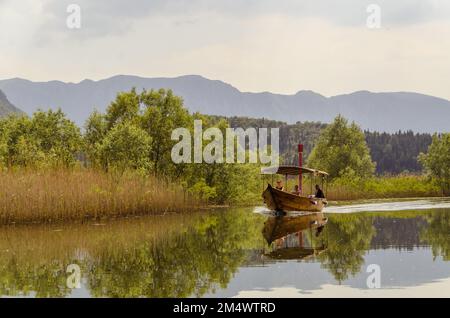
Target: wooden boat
(278,200)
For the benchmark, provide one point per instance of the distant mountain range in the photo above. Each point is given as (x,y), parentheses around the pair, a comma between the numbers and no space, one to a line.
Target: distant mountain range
(389,112)
(6,107)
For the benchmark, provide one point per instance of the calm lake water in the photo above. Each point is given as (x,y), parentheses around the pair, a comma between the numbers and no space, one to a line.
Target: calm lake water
(345,251)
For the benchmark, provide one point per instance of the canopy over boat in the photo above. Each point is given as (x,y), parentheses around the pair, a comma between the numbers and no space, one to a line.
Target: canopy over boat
(292,170)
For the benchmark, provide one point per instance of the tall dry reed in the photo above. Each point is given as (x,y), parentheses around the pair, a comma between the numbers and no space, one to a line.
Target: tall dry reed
(64,194)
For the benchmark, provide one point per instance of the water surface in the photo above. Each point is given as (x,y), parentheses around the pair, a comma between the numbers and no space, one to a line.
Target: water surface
(238,253)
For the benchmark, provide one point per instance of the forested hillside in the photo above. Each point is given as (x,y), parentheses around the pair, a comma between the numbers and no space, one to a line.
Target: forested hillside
(397,153)
(393,153)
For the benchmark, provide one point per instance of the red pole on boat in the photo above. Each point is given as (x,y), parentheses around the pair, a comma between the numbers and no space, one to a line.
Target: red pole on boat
(300,164)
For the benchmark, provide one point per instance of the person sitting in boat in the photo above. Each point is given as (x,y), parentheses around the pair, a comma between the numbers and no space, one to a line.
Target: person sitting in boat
(296,190)
(279,185)
(319,193)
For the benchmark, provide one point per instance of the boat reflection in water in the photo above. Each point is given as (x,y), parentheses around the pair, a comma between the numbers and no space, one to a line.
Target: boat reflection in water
(294,236)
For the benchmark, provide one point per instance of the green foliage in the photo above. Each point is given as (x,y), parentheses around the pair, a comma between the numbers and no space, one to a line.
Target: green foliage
(125,108)
(342,150)
(305,133)
(95,131)
(437,161)
(135,133)
(231,183)
(28,152)
(203,191)
(350,187)
(126,146)
(46,139)
(393,153)
(58,137)
(163,113)
(397,153)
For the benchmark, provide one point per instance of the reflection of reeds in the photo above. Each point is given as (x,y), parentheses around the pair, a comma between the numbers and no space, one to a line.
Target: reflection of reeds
(61,195)
(175,255)
(34,258)
(42,243)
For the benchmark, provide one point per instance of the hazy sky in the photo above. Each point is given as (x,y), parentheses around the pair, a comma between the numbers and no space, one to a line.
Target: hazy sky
(256,45)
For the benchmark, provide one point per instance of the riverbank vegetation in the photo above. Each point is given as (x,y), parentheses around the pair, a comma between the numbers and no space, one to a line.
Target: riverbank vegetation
(120,163)
(437,162)
(353,188)
(342,151)
(401,186)
(57,195)
(394,153)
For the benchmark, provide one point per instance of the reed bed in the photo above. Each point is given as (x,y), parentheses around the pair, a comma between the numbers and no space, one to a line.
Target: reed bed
(402,186)
(380,187)
(28,196)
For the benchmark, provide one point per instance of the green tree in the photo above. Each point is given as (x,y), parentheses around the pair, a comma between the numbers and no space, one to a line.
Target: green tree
(163,113)
(223,182)
(126,146)
(126,107)
(28,153)
(108,143)
(13,130)
(95,132)
(342,150)
(58,137)
(48,138)
(437,161)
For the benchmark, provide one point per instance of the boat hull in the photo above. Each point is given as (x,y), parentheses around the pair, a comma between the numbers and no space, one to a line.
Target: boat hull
(281,226)
(278,200)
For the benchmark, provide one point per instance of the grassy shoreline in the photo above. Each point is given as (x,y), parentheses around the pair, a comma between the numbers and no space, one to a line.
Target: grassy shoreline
(388,187)
(74,195)
(378,187)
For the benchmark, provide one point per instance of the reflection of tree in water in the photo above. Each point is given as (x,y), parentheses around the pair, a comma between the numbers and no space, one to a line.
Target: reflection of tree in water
(437,233)
(347,238)
(195,262)
(44,280)
(153,257)
(28,265)
(398,232)
(176,256)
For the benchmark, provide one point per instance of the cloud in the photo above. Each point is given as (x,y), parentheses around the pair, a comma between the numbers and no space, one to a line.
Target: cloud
(117,17)
(275,45)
